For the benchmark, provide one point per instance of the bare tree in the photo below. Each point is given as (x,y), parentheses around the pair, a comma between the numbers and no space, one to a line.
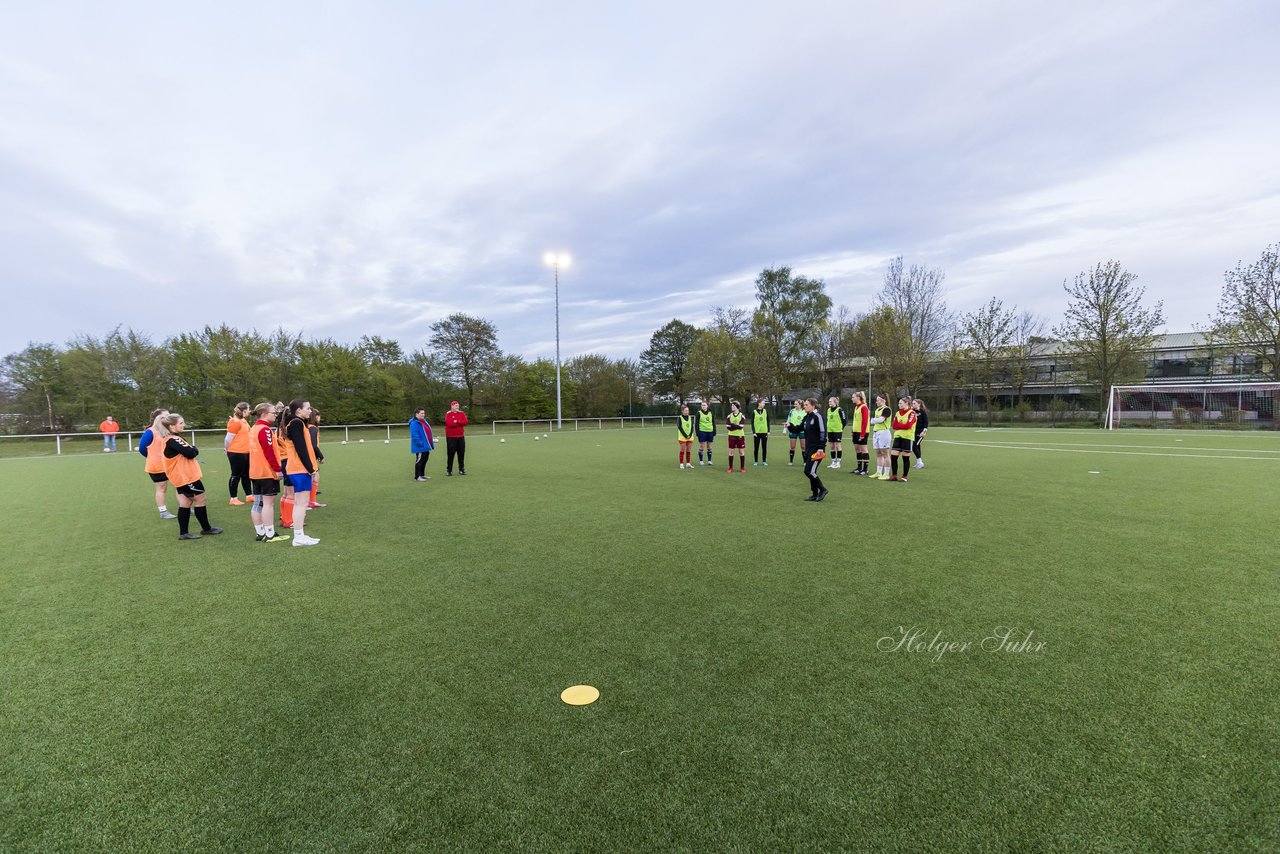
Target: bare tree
(1028,343)
(1248,318)
(915,293)
(987,335)
(899,363)
(1107,330)
(835,346)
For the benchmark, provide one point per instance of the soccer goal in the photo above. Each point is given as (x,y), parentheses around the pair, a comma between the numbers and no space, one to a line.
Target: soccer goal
(1207,405)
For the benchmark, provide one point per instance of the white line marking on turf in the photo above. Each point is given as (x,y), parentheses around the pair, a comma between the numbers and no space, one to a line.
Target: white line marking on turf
(1099,451)
(1144,447)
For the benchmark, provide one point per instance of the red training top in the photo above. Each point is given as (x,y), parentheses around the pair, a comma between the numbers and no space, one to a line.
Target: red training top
(453,424)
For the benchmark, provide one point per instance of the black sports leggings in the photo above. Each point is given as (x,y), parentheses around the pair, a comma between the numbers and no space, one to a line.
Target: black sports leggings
(915,447)
(760,447)
(239,473)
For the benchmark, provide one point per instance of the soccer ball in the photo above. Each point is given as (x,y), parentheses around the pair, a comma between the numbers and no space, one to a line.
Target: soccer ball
(544,435)
(344,441)
(535,438)
(362,441)
(502,441)
(386,441)
(106,450)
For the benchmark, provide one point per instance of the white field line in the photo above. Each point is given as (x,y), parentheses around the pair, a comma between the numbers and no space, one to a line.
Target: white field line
(1250,434)
(1097,451)
(1144,447)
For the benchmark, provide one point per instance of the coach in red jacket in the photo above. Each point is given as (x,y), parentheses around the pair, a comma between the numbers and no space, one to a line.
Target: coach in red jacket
(455,422)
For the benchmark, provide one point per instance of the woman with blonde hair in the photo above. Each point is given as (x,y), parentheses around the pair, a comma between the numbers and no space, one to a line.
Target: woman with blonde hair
(183,471)
(153,452)
(264,474)
(881,436)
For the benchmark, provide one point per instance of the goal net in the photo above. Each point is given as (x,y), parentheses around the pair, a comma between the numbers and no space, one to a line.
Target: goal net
(1209,405)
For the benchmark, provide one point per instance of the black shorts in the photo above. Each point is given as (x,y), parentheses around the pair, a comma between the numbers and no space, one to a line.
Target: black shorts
(900,444)
(834,437)
(158,477)
(859,438)
(193,489)
(264,486)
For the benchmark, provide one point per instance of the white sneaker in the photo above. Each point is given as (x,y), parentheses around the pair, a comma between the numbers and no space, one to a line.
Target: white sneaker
(682,465)
(304,540)
(835,465)
(919,464)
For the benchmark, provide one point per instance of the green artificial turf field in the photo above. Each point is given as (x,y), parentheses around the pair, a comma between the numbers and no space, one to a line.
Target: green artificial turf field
(397,687)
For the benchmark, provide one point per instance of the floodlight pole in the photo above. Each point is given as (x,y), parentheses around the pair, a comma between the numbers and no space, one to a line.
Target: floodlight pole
(559,421)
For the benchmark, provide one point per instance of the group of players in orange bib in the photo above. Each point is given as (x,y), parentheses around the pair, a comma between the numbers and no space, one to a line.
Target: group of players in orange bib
(265,460)
(894,436)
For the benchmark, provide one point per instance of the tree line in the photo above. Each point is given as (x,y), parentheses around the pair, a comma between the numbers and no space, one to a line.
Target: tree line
(793,338)
(203,374)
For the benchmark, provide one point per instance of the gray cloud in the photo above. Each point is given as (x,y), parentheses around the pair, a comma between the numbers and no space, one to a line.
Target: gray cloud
(389,164)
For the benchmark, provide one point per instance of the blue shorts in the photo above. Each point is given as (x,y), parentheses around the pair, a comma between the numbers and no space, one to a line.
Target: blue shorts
(300,482)
(706,437)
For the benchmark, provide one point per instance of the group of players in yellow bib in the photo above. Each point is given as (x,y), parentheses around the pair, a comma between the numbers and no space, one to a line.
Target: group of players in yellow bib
(893,435)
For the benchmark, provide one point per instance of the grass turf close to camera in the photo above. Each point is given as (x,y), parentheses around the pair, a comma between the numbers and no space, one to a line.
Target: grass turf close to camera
(398,686)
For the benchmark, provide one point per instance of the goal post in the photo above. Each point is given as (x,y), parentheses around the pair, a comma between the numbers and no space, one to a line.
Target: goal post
(1230,406)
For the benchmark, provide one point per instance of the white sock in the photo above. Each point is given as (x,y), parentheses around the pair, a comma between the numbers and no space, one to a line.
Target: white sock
(261,529)
(269,530)
(162,509)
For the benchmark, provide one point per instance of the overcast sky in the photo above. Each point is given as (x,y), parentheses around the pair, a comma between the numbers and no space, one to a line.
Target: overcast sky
(367,168)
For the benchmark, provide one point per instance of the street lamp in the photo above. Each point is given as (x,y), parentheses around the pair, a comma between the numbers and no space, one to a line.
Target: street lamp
(556,260)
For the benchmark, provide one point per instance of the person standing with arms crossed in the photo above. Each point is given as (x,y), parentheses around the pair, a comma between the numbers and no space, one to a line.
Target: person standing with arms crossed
(706,432)
(264,475)
(684,437)
(455,439)
(815,437)
(421,443)
(736,426)
(881,436)
(183,471)
(109,429)
(904,433)
(760,434)
(859,429)
(835,430)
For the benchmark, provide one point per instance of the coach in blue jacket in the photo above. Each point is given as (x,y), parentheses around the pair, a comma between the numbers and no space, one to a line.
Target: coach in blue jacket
(421,443)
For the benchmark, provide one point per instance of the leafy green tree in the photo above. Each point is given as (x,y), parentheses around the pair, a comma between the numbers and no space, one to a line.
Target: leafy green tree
(600,385)
(35,380)
(335,379)
(379,351)
(535,390)
(786,324)
(467,348)
(718,361)
(1107,330)
(1248,317)
(665,362)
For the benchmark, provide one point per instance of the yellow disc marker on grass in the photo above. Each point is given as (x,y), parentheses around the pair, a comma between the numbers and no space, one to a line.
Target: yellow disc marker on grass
(580,695)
